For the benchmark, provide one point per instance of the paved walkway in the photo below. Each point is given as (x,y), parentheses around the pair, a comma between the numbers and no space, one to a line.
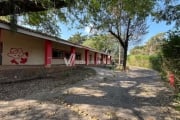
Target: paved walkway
(136,95)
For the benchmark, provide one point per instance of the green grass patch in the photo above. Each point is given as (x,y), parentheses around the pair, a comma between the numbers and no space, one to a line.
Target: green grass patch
(146,61)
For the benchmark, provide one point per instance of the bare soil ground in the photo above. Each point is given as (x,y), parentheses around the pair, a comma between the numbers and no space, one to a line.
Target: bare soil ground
(82,95)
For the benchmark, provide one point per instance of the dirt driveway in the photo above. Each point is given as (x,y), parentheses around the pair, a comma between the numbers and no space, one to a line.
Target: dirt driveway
(136,95)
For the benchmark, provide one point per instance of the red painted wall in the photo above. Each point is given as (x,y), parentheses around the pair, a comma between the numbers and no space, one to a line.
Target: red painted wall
(48,53)
(73,51)
(110,59)
(86,57)
(95,58)
(106,59)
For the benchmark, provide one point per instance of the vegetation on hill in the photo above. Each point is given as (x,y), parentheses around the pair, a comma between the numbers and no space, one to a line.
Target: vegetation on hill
(163,55)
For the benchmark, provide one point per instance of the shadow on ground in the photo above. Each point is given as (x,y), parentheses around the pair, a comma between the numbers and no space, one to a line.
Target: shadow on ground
(138,94)
(135,91)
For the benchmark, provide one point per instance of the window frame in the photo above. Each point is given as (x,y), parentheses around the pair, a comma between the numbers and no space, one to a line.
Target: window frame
(60,53)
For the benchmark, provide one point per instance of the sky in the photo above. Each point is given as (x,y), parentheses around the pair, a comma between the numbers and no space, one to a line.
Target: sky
(154,28)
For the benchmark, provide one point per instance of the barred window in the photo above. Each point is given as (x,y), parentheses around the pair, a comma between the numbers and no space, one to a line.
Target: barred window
(90,57)
(67,55)
(57,54)
(78,56)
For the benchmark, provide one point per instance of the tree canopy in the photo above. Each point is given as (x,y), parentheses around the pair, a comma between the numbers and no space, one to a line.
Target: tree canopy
(77,38)
(151,47)
(41,15)
(168,11)
(125,20)
(105,43)
(9,7)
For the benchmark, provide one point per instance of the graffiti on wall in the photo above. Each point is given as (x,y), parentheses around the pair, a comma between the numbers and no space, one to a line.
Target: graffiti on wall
(18,56)
(71,61)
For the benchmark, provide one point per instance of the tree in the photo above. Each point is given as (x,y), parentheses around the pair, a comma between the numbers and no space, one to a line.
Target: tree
(138,50)
(45,21)
(171,57)
(167,10)
(125,20)
(105,43)
(77,38)
(154,43)
(151,47)
(10,7)
(41,15)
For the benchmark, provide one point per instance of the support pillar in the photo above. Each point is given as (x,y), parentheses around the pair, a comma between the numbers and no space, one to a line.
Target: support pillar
(106,59)
(95,58)
(48,53)
(86,57)
(73,52)
(110,60)
(102,59)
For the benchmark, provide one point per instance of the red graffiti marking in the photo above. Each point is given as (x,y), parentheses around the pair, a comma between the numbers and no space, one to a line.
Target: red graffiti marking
(14,61)
(18,56)
(23,60)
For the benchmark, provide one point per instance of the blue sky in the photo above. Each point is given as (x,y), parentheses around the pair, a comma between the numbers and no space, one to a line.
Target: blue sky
(154,28)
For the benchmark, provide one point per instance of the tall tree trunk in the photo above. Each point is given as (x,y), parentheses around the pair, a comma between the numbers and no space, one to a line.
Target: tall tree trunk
(126,45)
(125,58)
(119,54)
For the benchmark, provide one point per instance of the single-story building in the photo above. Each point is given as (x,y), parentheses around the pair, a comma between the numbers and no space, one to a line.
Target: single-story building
(28,47)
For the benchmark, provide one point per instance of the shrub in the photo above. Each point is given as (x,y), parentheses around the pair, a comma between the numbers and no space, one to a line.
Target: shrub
(141,60)
(171,57)
(166,61)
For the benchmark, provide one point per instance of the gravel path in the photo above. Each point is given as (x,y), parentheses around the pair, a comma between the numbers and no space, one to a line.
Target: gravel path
(136,95)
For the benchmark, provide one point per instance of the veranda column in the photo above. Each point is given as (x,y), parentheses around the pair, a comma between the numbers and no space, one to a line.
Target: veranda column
(73,58)
(95,58)
(106,59)
(86,57)
(48,53)
(102,59)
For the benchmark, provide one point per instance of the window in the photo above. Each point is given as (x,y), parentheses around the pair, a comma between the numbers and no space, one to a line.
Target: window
(58,54)
(90,57)
(78,56)
(67,55)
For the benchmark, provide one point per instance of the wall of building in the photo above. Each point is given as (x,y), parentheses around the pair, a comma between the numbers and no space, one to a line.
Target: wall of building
(67,49)
(82,52)
(21,49)
(61,47)
(91,59)
(98,58)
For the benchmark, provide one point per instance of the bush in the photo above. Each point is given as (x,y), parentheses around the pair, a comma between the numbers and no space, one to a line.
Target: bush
(145,61)
(171,57)
(167,61)
(155,62)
